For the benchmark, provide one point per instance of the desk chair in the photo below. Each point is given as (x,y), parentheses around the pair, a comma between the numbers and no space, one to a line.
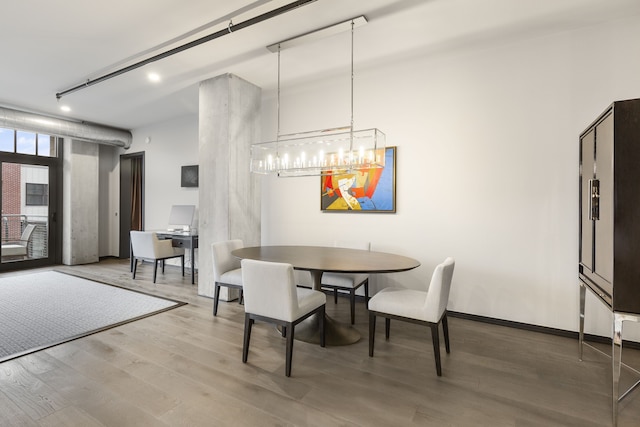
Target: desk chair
(271,295)
(427,308)
(145,245)
(348,281)
(226,269)
(19,248)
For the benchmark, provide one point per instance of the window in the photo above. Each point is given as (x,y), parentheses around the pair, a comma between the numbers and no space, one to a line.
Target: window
(15,141)
(25,142)
(7,140)
(46,145)
(37,195)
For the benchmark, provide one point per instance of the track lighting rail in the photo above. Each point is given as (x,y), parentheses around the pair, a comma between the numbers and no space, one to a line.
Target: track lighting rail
(228,30)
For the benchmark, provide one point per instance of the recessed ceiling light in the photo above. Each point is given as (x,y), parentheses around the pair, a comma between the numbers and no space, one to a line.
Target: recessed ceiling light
(65,108)
(154,77)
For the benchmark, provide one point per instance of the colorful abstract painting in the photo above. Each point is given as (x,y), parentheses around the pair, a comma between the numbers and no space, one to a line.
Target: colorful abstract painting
(367,190)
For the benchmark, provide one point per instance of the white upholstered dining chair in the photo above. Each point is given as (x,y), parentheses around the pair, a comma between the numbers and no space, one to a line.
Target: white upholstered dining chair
(226,269)
(349,282)
(146,246)
(271,295)
(427,308)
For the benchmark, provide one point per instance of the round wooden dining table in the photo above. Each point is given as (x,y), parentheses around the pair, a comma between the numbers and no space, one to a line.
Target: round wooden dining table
(320,259)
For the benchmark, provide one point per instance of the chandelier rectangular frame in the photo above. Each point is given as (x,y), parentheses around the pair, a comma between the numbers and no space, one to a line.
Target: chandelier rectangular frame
(323,152)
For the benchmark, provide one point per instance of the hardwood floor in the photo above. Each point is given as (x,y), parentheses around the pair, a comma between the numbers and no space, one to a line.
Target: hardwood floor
(183,368)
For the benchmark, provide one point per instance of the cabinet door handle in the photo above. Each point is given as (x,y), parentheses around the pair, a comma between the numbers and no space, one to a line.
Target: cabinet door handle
(594,199)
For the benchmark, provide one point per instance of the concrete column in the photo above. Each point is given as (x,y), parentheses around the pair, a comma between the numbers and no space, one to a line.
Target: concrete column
(80,226)
(229,195)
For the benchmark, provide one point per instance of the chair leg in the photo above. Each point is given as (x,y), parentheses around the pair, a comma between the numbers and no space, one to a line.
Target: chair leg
(162,263)
(445,329)
(182,261)
(241,297)
(435,337)
(372,332)
(335,295)
(387,327)
(155,270)
(289,348)
(248,323)
(216,298)
(135,268)
(366,292)
(352,301)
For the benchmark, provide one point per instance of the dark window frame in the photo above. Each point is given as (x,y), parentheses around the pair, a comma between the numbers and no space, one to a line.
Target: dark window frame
(54,144)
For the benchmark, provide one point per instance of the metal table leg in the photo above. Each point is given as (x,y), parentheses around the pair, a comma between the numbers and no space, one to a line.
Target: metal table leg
(616,360)
(616,352)
(583,291)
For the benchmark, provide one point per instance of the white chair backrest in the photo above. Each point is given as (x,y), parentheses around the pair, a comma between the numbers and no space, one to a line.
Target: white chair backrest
(27,233)
(223,261)
(438,292)
(366,246)
(143,243)
(269,289)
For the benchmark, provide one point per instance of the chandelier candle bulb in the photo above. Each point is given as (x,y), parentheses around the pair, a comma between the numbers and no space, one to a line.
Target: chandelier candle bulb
(337,154)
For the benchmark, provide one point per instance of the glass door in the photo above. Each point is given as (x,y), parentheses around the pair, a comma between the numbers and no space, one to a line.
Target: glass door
(30,167)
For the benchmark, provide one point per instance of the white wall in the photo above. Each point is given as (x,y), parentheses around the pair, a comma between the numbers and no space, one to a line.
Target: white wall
(487,166)
(172,144)
(33,174)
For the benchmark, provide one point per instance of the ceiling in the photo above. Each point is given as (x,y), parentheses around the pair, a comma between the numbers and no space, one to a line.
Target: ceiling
(49,47)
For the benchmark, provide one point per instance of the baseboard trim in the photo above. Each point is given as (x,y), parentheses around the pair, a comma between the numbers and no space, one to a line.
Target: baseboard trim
(542,329)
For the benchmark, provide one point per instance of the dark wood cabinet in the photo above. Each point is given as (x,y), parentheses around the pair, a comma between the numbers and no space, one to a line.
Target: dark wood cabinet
(609,252)
(610,206)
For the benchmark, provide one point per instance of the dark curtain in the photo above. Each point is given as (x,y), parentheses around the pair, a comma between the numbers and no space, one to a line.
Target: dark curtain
(136,193)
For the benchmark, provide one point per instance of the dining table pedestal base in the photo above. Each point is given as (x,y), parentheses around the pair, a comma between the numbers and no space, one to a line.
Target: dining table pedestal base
(335,333)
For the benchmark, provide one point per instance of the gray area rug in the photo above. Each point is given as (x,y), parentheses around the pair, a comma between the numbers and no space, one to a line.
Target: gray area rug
(40,310)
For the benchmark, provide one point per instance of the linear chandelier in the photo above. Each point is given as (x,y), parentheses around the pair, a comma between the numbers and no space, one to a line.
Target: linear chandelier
(324,152)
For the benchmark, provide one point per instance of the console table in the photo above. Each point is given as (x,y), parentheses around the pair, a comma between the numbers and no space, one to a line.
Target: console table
(183,239)
(179,239)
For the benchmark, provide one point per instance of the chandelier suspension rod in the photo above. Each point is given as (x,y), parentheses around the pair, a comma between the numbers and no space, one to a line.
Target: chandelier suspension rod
(231,28)
(278,102)
(352,73)
(351,133)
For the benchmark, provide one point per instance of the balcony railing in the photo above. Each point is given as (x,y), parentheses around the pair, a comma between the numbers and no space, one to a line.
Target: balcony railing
(14,224)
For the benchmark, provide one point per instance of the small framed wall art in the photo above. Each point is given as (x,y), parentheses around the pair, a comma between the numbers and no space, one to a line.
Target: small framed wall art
(189,176)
